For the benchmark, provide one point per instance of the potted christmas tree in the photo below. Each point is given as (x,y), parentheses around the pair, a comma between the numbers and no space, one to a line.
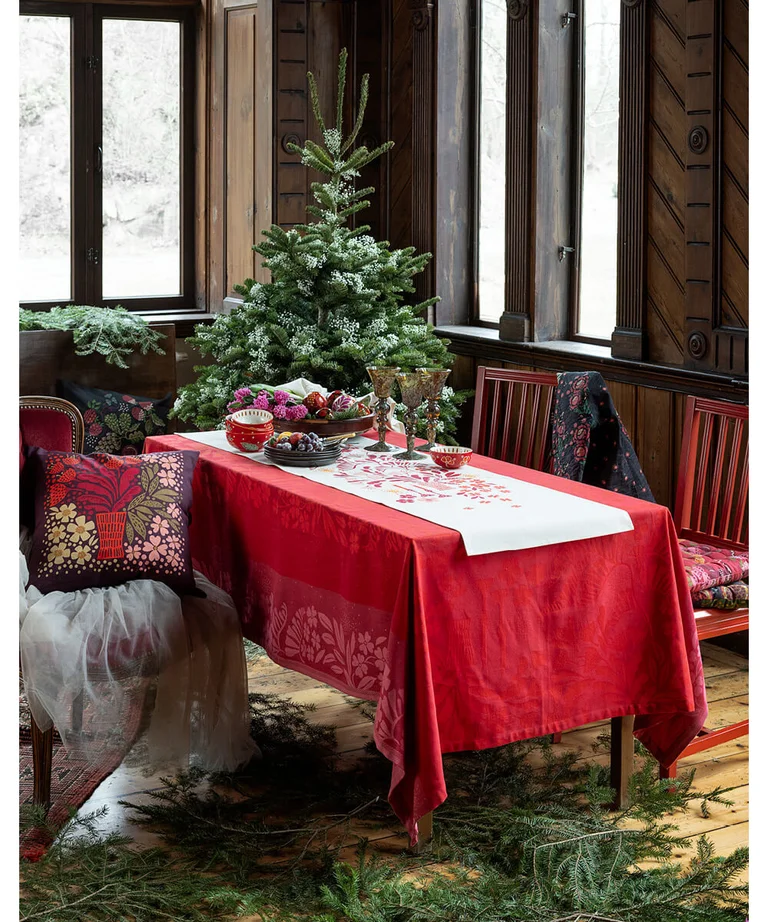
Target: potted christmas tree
(337,301)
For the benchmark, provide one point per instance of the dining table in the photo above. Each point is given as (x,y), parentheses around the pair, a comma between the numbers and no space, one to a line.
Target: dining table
(461,651)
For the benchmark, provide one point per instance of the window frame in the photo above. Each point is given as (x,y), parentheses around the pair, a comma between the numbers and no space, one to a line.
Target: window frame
(86,20)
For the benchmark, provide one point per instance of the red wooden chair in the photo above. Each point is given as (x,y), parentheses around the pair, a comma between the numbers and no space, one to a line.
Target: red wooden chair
(512,414)
(711,507)
(56,425)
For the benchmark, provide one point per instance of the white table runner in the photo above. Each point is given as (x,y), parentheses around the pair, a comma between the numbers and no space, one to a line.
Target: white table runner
(492,512)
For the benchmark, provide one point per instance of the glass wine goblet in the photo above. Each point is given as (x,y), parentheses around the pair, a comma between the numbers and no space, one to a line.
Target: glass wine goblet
(412,391)
(434,381)
(383,377)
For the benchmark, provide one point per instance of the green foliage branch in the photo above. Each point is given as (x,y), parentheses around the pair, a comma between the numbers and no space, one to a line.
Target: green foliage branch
(112,332)
(338,300)
(524,838)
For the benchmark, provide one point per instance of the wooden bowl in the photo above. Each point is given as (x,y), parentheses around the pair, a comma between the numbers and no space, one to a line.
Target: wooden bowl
(327,427)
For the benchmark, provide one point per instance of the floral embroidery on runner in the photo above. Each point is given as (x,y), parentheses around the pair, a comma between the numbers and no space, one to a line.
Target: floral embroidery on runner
(416,483)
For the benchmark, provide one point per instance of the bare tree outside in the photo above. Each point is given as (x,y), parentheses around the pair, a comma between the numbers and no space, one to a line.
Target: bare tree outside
(45,109)
(492,166)
(599,213)
(141,73)
(600,177)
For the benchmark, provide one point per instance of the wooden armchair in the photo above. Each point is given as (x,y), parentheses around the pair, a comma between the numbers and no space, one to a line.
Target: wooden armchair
(56,425)
(711,508)
(512,415)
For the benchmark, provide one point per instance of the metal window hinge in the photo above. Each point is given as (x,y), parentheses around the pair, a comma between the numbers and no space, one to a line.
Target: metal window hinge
(566,19)
(93,256)
(563,251)
(91,62)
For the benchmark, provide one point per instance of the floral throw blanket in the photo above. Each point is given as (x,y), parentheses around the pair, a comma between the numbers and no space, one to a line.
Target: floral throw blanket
(589,441)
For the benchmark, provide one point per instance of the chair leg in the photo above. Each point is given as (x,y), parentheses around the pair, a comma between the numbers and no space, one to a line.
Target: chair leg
(42,763)
(622,758)
(669,772)
(556,737)
(77,713)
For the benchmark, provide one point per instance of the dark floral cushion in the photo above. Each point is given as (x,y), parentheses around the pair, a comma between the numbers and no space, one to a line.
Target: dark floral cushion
(101,520)
(707,566)
(116,423)
(729,597)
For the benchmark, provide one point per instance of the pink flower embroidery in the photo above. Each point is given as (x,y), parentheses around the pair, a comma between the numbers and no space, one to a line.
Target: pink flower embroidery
(89,416)
(94,429)
(155,548)
(160,525)
(133,553)
(167,479)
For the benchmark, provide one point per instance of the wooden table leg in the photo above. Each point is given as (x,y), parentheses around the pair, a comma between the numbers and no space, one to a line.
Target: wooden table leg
(622,758)
(425,832)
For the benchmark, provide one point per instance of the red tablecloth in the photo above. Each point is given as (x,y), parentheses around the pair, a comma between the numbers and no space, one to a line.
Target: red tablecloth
(461,652)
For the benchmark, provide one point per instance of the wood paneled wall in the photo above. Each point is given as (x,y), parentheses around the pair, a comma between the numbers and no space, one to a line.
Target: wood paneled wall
(234,177)
(697,184)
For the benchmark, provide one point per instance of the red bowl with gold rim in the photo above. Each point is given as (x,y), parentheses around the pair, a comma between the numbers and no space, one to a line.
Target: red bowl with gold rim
(450,457)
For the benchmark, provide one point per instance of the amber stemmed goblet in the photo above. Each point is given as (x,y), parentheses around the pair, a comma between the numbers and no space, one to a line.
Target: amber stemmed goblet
(434,381)
(383,377)
(412,391)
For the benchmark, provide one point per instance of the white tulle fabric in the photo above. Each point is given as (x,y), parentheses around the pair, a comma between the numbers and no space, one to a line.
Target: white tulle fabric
(116,646)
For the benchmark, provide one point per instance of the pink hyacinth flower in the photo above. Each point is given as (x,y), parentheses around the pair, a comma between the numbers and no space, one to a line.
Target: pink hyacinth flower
(282,396)
(261,402)
(280,411)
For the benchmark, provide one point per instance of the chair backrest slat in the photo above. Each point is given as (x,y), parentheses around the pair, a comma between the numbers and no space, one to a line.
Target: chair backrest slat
(738,432)
(701,469)
(713,481)
(527,398)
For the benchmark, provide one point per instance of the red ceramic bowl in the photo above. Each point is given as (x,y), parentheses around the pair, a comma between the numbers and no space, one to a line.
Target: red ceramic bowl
(450,457)
(249,429)
(248,441)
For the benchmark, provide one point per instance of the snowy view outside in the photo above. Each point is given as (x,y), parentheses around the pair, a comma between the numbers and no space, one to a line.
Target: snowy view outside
(601,106)
(44,162)
(141,158)
(597,311)
(493,118)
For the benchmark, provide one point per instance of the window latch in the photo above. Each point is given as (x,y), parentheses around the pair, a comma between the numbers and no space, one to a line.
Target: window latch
(91,62)
(566,19)
(93,256)
(562,252)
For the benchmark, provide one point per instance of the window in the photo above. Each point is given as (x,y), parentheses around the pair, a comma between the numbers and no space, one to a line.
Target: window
(566,154)
(106,152)
(491,159)
(598,159)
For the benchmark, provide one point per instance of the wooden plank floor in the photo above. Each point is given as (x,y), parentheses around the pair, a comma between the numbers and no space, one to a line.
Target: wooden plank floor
(726,766)
(726,675)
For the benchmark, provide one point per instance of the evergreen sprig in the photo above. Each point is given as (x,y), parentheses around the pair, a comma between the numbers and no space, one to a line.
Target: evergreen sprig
(112,332)
(524,837)
(338,300)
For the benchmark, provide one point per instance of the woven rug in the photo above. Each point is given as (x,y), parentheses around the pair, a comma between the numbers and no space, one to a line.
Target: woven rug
(73,778)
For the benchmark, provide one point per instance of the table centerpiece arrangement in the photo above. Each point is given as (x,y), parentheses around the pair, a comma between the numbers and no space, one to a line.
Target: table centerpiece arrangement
(334,414)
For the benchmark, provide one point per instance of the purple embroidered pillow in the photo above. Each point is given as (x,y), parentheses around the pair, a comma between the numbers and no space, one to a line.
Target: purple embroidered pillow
(101,520)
